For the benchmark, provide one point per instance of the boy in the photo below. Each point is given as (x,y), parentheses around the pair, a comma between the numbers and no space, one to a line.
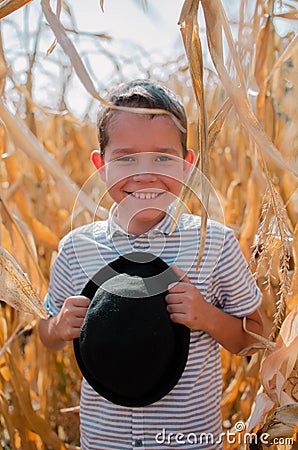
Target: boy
(143,160)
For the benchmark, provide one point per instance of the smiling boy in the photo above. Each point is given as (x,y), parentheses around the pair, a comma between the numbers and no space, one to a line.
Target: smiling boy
(143,167)
(143,160)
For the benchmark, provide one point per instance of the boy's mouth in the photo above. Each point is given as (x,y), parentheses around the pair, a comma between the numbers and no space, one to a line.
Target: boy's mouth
(145,195)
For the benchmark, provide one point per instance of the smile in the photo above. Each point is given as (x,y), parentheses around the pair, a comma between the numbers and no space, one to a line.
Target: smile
(146,195)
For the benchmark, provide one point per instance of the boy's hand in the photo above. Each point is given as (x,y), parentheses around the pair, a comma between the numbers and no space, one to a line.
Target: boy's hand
(70,319)
(66,325)
(187,306)
(185,303)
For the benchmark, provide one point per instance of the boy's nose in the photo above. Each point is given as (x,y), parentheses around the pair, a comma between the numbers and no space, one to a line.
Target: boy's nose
(145,177)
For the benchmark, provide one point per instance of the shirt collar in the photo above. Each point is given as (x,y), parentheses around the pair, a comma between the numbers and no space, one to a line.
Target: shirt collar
(163,227)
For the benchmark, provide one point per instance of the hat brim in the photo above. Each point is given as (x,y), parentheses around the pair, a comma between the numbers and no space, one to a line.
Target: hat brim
(139,264)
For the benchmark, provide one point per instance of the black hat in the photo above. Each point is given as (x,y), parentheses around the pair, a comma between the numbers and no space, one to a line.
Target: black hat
(129,350)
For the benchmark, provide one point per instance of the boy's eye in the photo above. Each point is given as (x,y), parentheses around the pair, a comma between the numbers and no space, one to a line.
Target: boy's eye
(162,158)
(125,158)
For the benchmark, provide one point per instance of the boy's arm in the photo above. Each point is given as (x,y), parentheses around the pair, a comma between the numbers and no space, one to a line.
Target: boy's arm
(56,331)
(187,306)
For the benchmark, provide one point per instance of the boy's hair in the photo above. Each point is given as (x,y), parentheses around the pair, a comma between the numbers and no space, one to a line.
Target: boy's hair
(141,94)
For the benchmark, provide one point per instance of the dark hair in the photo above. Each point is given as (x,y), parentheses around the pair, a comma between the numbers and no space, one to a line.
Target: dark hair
(141,94)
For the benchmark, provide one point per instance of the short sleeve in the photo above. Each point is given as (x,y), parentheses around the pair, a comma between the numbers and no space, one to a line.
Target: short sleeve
(60,286)
(234,287)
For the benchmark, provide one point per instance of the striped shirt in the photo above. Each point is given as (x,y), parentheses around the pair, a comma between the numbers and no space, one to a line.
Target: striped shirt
(189,416)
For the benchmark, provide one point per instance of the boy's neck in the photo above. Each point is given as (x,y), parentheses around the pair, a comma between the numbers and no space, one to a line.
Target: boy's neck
(136,226)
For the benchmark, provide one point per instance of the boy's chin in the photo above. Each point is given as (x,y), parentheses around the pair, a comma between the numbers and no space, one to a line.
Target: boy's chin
(139,222)
(150,214)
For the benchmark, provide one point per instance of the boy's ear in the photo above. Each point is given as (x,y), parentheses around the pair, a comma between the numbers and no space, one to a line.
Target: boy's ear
(98,162)
(190,157)
(189,160)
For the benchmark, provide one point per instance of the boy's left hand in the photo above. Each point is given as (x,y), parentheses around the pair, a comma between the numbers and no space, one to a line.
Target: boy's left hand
(187,306)
(185,303)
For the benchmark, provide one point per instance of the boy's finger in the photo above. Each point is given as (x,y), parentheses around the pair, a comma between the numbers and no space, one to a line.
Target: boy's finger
(172,298)
(79,300)
(80,312)
(178,288)
(175,308)
(181,274)
(178,318)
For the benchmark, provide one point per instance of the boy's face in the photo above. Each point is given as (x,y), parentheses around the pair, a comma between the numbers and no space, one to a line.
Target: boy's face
(143,167)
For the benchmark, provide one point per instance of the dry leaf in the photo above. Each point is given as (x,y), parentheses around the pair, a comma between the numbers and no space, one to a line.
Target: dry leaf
(255,192)
(44,233)
(287,53)
(262,405)
(52,47)
(278,369)
(15,289)
(26,141)
(192,43)
(235,87)
(282,423)
(31,418)
(290,15)
(292,298)
(9,6)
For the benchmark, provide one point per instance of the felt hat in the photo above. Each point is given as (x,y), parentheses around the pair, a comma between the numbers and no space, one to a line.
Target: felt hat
(129,350)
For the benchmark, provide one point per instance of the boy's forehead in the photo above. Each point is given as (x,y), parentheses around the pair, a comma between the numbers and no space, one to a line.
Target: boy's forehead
(137,123)
(134,150)
(139,133)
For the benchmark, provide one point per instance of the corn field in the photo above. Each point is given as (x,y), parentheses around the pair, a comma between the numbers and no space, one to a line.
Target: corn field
(243,115)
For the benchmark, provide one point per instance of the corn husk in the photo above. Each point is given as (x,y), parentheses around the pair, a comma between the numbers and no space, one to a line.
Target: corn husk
(15,288)
(279,372)
(281,424)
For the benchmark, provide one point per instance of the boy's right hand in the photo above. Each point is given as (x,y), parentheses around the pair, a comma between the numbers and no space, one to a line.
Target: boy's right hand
(66,325)
(70,319)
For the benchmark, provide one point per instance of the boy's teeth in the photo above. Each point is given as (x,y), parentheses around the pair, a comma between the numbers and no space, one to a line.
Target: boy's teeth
(145,195)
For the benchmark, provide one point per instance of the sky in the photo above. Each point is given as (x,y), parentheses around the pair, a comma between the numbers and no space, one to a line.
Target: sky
(136,31)
(153,27)
(143,38)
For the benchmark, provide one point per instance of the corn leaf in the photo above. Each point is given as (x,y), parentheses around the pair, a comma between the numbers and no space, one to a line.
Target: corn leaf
(31,418)
(216,22)
(27,142)
(9,6)
(15,288)
(189,29)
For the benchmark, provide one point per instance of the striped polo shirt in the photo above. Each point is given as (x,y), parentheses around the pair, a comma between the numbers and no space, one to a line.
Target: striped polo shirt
(189,416)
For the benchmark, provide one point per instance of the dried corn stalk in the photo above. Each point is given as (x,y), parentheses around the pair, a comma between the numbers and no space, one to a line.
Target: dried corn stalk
(198,178)
(9,6)
(15,288)
(216,26)
(190,33)
(26,141)
(279,373)
(31,419)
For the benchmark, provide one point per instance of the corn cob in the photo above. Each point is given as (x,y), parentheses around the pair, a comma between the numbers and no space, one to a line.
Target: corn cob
(15,288)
